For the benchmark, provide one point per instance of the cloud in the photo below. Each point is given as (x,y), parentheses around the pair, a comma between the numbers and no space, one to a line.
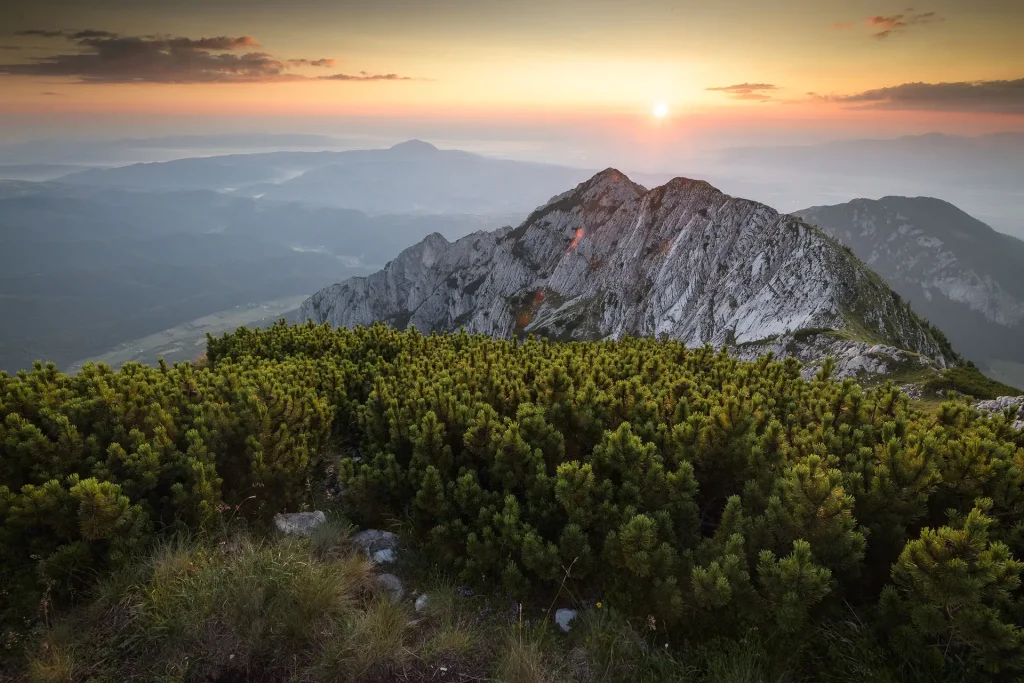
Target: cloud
(50,93)
(363,76)
(106,57)
(40,33)
(10,47)
(90,34)
(1000,97)
(899,23)
(311,62)
(747,91)
(841,25)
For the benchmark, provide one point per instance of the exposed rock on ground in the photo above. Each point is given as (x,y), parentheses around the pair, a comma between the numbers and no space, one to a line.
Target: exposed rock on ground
(393,585)
(299,523)
(853,358)
(998,405)
(563,617)
(379,546)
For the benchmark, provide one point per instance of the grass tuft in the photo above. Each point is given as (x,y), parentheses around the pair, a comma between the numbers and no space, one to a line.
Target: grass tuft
(53,664)
(522,660)
(373,647)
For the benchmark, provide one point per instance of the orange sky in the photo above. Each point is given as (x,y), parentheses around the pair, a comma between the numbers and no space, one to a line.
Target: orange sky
(502,60)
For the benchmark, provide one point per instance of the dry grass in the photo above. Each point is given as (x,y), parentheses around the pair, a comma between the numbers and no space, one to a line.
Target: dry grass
(258,607)
(523,661)
(374,645)
(55,664)
(311,611)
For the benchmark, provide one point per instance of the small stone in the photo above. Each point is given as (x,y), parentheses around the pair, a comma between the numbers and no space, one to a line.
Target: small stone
(372,541)
(299,523)
(393,585)
(386,556)
(563,617)
(421,603)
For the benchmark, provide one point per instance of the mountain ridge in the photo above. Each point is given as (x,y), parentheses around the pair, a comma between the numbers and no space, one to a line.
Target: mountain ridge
(611,258)
(957,271)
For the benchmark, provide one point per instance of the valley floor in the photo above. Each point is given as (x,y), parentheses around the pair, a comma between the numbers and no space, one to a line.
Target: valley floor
(188,340)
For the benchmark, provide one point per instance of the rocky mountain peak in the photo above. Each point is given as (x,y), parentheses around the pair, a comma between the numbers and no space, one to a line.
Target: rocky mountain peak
(611,258)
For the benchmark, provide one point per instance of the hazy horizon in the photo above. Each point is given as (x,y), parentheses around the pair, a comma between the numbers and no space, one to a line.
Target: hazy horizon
(977,173)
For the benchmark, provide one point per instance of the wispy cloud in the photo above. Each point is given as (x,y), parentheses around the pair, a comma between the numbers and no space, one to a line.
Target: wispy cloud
(747,91)
(311,62)
(105,57)
(841,25)
(40,33)
(50,93)
(999,97)
(364,76)
(885,26)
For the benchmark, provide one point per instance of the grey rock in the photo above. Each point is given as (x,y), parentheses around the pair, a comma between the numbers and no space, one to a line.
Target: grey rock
(393,585)
(375,541)
(610,258)
(422,603)
(563,617)
(385,556)
(299,523)
(1001,403)
(1015,404)
(853,358)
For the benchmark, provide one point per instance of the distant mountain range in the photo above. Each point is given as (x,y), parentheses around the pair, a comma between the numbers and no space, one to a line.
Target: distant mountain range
(411,177)
(611,258)
(128,150)
(956,271)
(996,159)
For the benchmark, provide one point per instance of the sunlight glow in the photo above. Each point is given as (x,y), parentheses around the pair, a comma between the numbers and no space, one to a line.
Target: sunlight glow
(660,110)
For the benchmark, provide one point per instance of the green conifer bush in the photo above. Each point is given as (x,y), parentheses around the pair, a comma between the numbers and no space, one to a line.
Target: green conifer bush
(680,485)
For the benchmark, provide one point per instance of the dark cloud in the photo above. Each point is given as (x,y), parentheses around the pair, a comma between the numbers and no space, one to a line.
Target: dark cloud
(40,33)
(219,43)
(363,76)
(1002,97)
(747,91)
(311,62)
(90,34)
(106,57)
(885,26)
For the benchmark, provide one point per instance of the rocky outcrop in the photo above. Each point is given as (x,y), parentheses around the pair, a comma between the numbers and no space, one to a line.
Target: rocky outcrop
(853,358)
(611,258)
(1013,404)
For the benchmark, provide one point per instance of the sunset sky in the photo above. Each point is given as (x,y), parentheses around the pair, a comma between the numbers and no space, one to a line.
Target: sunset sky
(827,68)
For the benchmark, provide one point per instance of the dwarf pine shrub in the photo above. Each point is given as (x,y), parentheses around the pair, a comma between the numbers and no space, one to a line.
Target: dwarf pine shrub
(714,496)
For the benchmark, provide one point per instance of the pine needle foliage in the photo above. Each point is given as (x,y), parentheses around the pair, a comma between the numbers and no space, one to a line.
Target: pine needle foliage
(712,495)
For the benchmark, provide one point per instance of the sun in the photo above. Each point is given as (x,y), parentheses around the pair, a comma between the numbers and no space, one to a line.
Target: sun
(660,110)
